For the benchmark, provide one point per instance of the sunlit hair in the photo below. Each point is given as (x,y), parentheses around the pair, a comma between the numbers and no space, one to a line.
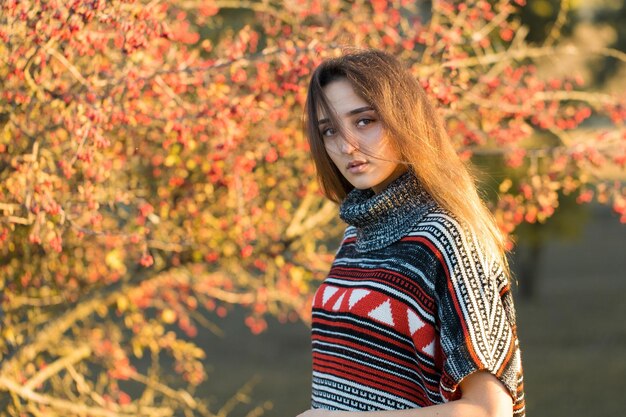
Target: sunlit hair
(412,125)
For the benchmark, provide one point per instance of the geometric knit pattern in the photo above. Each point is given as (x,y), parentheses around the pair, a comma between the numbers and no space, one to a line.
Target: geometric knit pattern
(400,326)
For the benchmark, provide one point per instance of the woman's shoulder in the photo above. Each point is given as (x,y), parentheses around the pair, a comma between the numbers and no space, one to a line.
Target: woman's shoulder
(440,223)
(449,235)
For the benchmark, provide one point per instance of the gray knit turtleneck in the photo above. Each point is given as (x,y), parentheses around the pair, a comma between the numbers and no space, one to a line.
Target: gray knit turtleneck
(384,218)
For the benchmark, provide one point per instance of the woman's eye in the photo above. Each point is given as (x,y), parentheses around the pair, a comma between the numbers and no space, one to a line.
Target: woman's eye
(328,132)
(364,122)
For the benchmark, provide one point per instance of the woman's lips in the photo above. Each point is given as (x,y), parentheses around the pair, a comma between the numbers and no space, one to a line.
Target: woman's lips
(355,167)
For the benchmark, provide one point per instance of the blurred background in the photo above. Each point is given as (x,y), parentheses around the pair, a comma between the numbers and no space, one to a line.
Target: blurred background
(162,232)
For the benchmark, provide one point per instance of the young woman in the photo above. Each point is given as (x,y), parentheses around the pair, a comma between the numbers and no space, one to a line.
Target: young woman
(416,316)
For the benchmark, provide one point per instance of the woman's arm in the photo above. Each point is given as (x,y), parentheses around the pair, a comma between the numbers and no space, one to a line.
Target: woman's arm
(483,395)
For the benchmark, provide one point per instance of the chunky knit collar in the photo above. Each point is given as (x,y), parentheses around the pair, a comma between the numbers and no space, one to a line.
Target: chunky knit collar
(384,218)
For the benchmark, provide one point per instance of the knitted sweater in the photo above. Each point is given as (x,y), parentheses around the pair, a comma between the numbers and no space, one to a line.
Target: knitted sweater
(410,307)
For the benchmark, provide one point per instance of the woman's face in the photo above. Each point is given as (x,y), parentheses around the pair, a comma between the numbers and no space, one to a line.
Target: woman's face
(361,149)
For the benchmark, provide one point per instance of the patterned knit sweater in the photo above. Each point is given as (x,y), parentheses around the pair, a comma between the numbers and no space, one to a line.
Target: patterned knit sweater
(410,307)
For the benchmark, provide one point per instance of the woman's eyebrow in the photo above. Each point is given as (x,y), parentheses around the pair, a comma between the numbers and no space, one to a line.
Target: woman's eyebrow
(360,110)
(350,113)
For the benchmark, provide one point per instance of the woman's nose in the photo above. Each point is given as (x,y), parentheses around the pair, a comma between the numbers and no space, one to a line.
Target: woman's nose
(347,145)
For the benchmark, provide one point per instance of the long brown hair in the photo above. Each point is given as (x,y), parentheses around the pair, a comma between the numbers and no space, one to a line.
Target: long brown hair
(415,129)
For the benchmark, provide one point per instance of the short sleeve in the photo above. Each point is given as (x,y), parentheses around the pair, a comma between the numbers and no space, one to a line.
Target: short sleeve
(475,312)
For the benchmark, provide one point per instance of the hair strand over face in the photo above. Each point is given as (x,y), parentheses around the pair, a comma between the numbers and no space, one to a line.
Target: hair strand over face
(415,129)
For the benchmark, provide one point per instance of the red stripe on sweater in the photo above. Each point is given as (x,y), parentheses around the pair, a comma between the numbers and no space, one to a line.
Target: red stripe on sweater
(376,353)
(371,377)
(374,334)
(420,368)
